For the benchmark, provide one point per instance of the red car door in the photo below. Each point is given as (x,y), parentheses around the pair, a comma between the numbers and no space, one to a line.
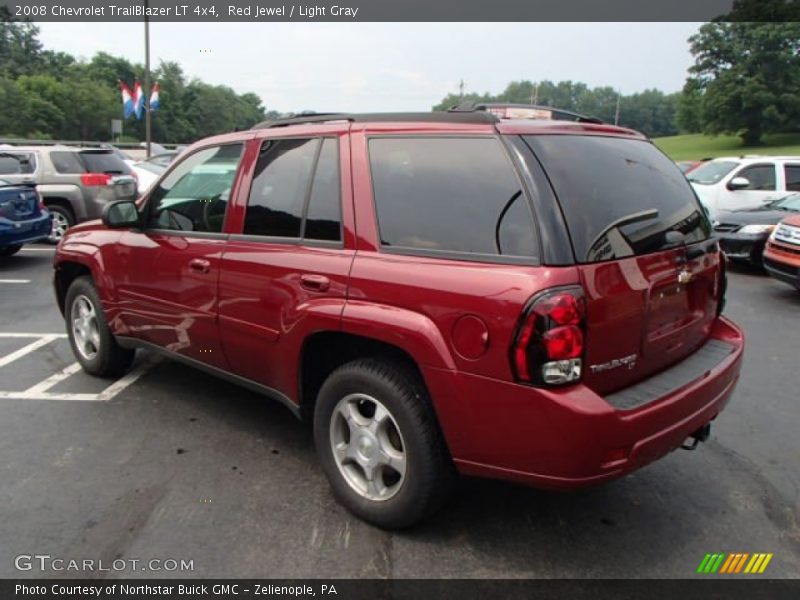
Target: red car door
(168,273)
(286,263)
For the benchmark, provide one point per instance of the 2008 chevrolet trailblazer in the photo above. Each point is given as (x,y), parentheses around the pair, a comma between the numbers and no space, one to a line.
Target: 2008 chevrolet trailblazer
(534,300)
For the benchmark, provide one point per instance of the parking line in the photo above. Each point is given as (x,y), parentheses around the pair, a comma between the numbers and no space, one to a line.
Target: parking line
(15,280)
(45,385)
(33,346)
(38,250)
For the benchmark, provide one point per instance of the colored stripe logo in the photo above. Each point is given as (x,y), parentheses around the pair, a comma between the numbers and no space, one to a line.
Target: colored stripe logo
(734,563)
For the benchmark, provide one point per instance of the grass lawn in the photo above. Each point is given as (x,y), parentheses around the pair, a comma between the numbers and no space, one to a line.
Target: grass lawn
(697,146)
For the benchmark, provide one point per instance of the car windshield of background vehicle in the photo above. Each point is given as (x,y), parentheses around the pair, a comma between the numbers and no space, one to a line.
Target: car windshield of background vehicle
(789,203)
(711,172)
(194,196)
(450,195)
(620,197)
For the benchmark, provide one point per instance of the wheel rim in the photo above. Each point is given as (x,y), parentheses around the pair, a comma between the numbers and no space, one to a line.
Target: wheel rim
(85,331)
(368,447)
(59,227)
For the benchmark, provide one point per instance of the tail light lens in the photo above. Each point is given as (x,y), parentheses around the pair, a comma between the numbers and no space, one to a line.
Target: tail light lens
(549,345)
(95,179)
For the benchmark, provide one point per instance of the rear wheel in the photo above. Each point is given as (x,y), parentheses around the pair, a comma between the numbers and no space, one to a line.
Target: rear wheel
(63,219)
(379,443)
(9,250)
(92,342)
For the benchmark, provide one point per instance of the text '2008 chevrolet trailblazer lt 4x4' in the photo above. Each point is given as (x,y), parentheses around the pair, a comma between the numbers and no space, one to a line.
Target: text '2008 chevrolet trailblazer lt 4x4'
(531,300)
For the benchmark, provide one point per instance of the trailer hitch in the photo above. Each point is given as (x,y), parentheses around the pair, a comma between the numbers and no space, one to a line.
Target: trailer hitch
(701,435)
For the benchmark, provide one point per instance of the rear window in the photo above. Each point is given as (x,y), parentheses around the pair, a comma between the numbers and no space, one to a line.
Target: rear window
(619,196)
(456,195)
(66,162)
(104,162)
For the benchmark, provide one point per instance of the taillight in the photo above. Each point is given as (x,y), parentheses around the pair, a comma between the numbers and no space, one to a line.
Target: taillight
(95,179)
(548,348)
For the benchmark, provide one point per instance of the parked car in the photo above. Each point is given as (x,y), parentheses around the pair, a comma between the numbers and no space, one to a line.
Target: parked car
(531,300)
(148,170)
(23,217)
(688,165)
(726,184)
(75,184)
(782,253)
(743,233)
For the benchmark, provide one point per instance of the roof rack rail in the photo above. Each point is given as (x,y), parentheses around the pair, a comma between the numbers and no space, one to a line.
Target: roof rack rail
(535,111)
(425,117)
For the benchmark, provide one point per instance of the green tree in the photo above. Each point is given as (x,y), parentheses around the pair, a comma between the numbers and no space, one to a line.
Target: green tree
(748,75)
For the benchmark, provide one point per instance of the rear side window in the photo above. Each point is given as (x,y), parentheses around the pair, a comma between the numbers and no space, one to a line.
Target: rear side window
(66,162)
(619,196)
(792,173)
(104,162)
(16,163)
(450,195)
(295,191)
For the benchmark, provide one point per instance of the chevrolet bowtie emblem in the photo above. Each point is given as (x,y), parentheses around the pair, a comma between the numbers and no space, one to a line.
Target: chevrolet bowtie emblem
(684,276)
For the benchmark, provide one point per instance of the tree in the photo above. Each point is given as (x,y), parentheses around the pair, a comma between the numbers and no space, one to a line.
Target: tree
(748,77)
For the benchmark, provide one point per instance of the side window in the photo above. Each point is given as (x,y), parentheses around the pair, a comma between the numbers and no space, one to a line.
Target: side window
(761,177)
(194,196)
(324,218)
(792,173)
(12,163)
(295,192)
(66,162)
(450,194)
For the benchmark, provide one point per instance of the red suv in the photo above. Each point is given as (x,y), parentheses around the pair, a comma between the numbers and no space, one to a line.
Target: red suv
(532,300)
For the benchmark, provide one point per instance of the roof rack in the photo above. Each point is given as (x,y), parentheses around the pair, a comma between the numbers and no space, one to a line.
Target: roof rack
(425,117)
(530,111)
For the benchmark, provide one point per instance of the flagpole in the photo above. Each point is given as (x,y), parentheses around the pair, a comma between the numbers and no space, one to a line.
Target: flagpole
(147,79)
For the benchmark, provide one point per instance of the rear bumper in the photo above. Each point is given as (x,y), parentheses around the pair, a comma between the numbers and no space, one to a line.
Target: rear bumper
(572,437)
(742,247)
(13,233)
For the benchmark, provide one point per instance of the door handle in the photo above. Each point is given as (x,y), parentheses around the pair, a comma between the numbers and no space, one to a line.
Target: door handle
(317,283)
(199,265)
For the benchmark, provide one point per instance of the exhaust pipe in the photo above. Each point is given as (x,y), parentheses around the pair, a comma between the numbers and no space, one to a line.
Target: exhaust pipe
(701,435)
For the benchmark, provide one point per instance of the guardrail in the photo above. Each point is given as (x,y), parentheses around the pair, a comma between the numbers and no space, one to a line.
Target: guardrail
(82,144)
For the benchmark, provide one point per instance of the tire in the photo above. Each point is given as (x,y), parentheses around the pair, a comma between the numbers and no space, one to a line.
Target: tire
(95,349)
(10,250)
(63,219)
(409,437)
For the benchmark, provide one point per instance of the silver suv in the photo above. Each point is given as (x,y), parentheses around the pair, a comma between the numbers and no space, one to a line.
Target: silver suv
(74,183)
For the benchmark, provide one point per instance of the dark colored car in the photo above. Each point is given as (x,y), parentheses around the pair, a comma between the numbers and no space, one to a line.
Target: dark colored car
(530,300)
(743,233)
(23,217)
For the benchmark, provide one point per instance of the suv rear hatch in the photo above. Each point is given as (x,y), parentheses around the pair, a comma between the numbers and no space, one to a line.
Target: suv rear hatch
(651,273)
(106,169)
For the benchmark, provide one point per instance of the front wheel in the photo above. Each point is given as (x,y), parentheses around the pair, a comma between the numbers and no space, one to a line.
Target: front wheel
(92,341)
(380,445)
(63,219)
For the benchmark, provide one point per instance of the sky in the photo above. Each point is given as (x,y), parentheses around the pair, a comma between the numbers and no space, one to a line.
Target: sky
(362,67)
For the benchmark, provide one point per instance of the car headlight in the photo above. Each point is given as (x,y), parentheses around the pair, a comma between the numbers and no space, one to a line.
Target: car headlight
(756,229)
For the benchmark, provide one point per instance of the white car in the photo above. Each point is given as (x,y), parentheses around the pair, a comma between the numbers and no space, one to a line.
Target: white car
(733,183)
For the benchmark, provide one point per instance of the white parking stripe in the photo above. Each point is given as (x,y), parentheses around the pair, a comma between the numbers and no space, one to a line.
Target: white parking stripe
(45,385)
(15,280)
(119,385)
(38,250)
(32,335)
(42,341)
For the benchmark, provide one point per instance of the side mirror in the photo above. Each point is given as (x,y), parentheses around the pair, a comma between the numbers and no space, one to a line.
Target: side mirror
(738,183)
(117,215)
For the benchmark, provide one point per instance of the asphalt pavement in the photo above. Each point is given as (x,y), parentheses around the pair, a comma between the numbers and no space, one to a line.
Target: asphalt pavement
(174,465)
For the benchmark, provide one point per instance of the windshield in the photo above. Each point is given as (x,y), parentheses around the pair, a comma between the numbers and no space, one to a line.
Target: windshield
(789,203)
(620,197)
(711,172)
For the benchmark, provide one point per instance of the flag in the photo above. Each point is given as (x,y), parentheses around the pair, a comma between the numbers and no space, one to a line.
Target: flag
(127,100)
(154,103)
(138,99)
